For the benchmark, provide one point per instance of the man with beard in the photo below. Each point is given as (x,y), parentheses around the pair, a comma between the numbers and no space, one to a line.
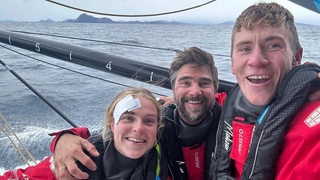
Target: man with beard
(188,139)
(188,135)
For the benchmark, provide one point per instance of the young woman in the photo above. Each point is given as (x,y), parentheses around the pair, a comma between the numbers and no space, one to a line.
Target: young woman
(127,145)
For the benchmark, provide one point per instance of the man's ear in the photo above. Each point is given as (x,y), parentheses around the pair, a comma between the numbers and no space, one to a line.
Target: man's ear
(297,58)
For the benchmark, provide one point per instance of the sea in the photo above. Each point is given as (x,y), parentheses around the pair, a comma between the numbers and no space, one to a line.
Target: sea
(83,99)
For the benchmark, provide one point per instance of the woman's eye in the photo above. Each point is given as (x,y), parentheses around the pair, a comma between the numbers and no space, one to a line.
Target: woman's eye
(127,118)
(150,122)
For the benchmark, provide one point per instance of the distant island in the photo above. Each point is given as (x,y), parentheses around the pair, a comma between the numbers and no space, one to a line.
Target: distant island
(85,18)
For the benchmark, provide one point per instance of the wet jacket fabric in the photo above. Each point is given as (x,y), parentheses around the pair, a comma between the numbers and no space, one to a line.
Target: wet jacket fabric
(112,165)
(43,170)
(267,152)
(302,143)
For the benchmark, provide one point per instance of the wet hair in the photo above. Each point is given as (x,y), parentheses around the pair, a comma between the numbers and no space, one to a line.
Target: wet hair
(196,56)
(135,92)
(269,14)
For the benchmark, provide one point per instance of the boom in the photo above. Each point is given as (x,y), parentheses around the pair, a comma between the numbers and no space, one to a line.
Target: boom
(95,59)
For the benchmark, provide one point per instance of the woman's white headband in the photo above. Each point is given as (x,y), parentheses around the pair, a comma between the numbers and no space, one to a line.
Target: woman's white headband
(128,103)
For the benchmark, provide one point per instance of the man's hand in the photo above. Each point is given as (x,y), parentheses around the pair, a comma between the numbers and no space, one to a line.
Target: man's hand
(68,150)
(165,100)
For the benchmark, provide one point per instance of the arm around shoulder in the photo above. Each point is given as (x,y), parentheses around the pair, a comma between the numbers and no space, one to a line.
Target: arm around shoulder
(79,131)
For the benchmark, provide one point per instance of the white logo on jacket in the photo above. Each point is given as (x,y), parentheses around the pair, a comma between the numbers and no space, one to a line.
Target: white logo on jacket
(313,119)
(228,138)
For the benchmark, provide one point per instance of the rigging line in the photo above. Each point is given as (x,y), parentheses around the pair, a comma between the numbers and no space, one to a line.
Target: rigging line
(38,94)
(130,15)
(15,135)
(93,40)
(74,71)
(14,145)
(108,42)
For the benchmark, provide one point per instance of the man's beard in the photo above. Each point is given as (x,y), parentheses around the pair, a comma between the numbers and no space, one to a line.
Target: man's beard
(193,116)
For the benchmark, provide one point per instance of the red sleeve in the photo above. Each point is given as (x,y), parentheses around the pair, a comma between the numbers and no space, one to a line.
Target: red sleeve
(300,158)
(79,131)
(220,97)
(40,171)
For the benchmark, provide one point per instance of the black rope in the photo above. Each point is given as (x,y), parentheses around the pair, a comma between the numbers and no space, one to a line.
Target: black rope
(38,94)
(108,42)
(130,15)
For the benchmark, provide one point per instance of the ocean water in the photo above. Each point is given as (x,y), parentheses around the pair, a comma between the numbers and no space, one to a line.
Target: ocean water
(83,99)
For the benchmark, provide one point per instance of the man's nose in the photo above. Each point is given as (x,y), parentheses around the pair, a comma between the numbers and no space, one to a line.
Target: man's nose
(195,89)
(257,57)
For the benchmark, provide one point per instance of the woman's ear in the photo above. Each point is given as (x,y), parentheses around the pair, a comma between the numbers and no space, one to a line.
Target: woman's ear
(112,127)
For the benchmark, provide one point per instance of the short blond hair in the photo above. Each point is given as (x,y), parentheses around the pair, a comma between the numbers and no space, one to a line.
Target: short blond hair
(270,14)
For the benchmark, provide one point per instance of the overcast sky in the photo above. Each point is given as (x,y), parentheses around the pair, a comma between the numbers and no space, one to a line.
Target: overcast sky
(216,12)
